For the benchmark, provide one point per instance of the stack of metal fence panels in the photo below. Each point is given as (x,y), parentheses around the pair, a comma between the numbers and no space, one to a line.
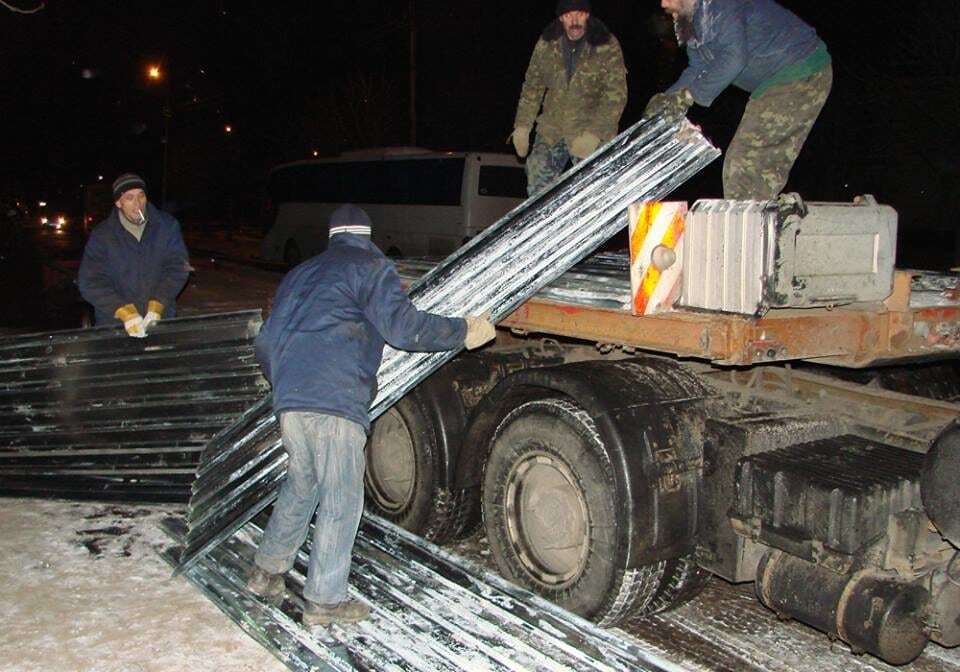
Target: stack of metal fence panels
(495,272)
(95,414)
(431,610)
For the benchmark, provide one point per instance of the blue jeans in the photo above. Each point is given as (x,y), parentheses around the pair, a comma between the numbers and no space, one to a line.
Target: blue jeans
(324,474)
(545,164)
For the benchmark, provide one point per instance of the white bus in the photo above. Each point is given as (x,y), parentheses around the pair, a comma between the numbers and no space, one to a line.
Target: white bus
(422,203)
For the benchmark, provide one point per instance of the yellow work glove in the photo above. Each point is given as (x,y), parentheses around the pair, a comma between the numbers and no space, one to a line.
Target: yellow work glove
(584,145)
(480,330)
(132,321)
(521,140)
(154,311)
(672,106)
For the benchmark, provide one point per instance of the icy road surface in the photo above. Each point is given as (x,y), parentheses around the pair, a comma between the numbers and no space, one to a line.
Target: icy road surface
(84,590)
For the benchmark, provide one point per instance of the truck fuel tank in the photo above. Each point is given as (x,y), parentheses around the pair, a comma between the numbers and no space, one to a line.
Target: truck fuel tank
(749,256)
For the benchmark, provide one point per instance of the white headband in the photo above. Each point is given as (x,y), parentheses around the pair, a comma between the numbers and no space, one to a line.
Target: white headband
(358,229)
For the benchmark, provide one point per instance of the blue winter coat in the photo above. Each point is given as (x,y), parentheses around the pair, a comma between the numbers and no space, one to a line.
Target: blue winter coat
(323,342)
(744,43)
(116,269)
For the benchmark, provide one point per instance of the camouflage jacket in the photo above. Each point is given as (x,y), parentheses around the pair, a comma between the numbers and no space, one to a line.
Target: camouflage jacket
(592,100)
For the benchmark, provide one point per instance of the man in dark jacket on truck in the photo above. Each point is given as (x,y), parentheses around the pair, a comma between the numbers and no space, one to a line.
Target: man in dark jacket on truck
(577,72)
(135,262)
(764,49)
(320,349)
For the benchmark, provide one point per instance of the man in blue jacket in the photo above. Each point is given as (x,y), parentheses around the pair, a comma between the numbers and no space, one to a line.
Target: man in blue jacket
(764,49)
(320,349)
(135,262)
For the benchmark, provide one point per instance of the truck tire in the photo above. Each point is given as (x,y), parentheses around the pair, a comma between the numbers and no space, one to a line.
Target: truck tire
(552,519)
(683,579)
(402,458)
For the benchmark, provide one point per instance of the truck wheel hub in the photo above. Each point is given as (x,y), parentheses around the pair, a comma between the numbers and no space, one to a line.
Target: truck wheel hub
(391,462)
(547,518)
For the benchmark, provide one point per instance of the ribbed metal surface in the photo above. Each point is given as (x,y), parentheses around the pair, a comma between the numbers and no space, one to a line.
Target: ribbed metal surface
(495,272)
(601,281)
(840,491)
(94,414)
(728,255)
(431,610)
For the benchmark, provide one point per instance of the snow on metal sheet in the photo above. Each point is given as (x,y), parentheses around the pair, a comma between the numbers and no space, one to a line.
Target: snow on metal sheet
(430,610)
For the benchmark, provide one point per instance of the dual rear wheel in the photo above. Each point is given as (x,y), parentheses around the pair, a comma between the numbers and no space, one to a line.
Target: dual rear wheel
(549,502)
(554,523)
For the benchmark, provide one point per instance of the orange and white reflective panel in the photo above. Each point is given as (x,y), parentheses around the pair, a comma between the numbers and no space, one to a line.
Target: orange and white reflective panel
(656,253)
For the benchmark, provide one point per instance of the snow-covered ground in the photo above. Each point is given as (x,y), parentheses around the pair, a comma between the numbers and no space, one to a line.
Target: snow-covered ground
(84,589)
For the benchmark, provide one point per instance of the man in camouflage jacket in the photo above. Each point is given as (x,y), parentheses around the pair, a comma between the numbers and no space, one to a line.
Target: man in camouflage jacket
(762,48)
(577,72)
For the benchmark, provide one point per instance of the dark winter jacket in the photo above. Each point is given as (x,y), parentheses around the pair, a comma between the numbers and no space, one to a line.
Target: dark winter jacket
(323,342)
(744,43)
(117,269)
(592,100)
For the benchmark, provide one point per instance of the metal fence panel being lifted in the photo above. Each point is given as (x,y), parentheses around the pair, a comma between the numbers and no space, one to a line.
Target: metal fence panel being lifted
(94,414)
(495,272)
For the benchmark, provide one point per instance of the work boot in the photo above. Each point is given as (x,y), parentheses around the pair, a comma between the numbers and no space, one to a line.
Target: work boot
(267,585)
(348,611)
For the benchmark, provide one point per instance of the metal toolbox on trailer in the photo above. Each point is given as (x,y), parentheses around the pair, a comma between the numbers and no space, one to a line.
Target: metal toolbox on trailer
(749,256)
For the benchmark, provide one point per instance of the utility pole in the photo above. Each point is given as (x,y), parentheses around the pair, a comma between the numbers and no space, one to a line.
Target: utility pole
(167,113)
(411,13)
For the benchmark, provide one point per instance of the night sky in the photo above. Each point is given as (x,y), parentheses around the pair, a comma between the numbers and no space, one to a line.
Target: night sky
(297,77)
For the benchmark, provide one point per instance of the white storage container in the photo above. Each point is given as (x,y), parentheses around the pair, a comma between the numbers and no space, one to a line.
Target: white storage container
(749,256)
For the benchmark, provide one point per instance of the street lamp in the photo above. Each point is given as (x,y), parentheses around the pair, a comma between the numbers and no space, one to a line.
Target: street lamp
(155,74)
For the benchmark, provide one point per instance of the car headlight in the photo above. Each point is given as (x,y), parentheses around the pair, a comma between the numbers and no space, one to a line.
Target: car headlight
(44,220)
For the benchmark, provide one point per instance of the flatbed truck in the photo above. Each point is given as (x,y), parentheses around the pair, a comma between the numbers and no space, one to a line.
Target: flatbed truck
(616,461)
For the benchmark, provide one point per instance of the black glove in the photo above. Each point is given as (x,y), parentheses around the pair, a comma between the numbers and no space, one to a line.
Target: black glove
(672,106)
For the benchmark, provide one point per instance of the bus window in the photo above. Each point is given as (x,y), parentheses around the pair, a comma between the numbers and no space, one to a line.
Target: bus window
(435,182)
(425,203)
(505,181)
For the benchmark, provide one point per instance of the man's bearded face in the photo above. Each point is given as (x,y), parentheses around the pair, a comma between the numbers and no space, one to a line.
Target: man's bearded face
(574,24)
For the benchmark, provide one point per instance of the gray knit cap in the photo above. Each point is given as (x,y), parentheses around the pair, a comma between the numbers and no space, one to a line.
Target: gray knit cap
(125,183)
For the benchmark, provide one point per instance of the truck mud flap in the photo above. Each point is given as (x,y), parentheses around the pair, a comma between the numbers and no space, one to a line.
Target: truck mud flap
(431,610)
(496,271)
(94,414)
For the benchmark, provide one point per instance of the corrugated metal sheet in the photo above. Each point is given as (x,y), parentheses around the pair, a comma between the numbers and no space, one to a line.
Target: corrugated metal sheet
(430,610)
(94,414)
(602,281)
(496,272)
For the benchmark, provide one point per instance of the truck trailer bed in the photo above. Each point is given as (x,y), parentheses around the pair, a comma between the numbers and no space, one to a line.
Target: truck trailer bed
(920,321)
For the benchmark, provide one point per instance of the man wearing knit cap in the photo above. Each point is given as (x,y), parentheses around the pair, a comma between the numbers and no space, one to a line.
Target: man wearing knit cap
(768,51)
(135,262)
(577,74)
(320,349)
